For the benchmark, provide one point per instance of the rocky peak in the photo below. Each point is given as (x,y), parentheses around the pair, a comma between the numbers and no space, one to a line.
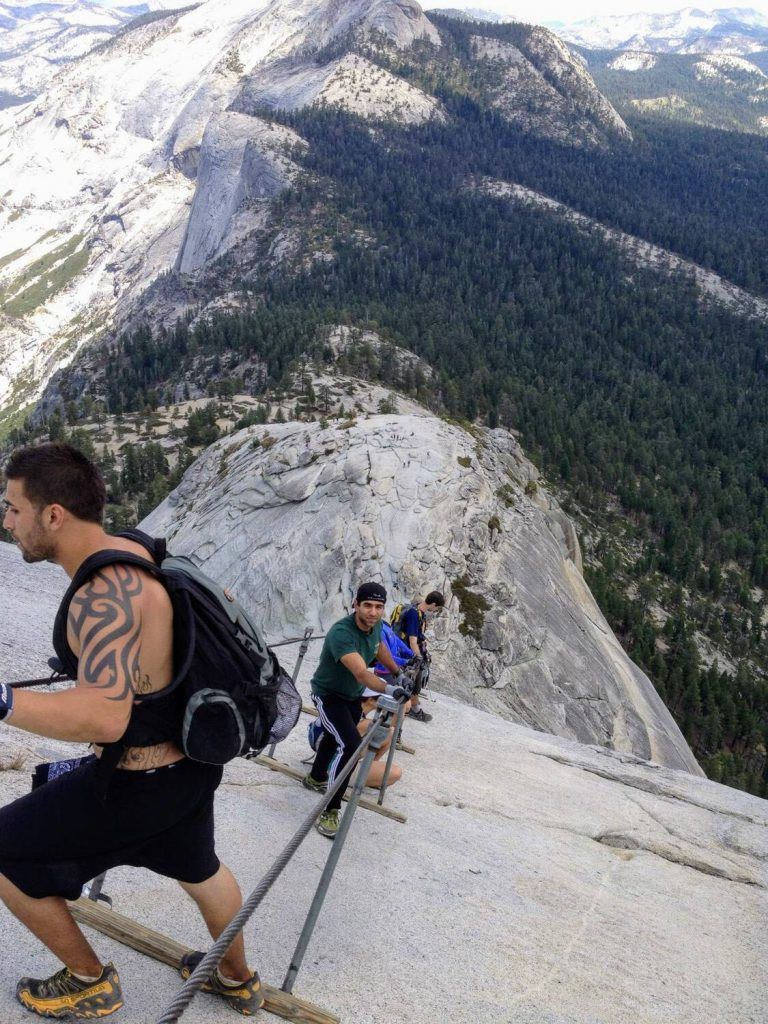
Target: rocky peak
(546,89)
(294,515)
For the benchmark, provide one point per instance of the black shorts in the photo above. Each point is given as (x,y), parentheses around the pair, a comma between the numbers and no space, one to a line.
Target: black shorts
(63,834)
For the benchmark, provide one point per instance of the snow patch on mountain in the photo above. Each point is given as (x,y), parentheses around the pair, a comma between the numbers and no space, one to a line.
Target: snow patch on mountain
(36,40)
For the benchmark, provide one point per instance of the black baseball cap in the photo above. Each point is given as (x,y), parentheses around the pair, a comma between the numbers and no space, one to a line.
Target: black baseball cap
(371,592)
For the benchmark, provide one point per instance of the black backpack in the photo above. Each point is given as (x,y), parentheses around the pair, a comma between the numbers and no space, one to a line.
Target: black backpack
(229,696)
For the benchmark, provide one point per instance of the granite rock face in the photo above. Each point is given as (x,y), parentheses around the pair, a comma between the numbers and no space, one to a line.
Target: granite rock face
(551,882)
(293,516)
(243,164)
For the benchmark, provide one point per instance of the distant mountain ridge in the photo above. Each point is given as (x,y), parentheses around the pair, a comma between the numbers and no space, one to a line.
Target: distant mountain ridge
(690,30)
(38,39)
(469,14)
(719,90)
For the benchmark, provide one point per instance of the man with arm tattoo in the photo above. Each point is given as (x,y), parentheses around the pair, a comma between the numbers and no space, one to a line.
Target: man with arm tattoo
(155,809)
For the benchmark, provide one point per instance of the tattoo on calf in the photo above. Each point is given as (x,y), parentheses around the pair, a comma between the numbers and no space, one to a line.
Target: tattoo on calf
(103,618)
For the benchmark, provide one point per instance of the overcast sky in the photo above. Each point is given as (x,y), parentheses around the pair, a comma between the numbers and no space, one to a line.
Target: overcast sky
(575,10)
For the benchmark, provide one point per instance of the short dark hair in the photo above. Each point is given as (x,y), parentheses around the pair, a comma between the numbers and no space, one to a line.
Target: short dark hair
(58,474)
(435,597)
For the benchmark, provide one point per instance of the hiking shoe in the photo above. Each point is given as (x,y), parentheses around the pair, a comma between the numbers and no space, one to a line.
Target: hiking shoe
(66,997)
(419,714)
(246,998)
(312,784)
(328,823)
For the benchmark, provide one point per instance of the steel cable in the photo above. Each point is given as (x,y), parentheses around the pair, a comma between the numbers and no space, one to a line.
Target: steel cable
(212,958)
(297,640)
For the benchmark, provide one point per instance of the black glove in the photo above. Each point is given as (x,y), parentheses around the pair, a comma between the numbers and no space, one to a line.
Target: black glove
(398,692)
(405,682)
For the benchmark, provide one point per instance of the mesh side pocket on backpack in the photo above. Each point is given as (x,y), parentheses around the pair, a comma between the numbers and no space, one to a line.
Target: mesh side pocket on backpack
(288,706)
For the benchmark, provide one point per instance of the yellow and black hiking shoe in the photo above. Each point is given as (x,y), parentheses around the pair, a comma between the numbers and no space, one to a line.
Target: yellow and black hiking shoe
(246,997)
(68,998)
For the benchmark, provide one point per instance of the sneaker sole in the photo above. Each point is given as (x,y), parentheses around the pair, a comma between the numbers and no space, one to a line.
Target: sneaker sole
(70,1012)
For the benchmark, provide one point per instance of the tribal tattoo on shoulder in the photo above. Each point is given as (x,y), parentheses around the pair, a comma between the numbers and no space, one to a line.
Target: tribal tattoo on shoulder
(103,618)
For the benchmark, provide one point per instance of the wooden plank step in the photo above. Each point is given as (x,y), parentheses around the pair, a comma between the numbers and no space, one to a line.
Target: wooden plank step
(151,943)
(294,773)
(309,710)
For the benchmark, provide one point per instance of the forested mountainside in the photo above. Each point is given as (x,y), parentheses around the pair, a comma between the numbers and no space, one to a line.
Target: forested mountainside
(717,90)
(644,404)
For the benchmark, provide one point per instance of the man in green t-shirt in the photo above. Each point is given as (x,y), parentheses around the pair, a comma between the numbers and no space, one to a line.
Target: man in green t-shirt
(351,645)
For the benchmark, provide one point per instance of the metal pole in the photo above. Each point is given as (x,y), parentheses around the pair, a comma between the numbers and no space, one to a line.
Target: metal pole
(302,651)
(391,753)
(39,682)
(214,955)
(379,737)
(93,889)
(295,640)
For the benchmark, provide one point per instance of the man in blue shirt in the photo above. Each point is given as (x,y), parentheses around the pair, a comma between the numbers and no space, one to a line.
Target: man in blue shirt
(351,646)
(410,628)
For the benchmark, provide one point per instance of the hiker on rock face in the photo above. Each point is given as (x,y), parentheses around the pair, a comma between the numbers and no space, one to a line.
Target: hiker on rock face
(402,656)
(155,809)
(408,623)
(342,674)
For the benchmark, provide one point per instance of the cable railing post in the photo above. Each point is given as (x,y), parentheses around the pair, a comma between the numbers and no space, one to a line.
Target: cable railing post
(93,890)
(391,753)
(378,738)
(296,668)
(213,957)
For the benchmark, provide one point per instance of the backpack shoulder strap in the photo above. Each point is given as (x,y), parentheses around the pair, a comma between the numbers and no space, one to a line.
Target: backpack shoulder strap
(397,614)
(91,565)
(155,546)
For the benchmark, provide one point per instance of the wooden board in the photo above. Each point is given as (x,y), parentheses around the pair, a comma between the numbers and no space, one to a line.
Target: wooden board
(294,773)
(168,951)
(309,710)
